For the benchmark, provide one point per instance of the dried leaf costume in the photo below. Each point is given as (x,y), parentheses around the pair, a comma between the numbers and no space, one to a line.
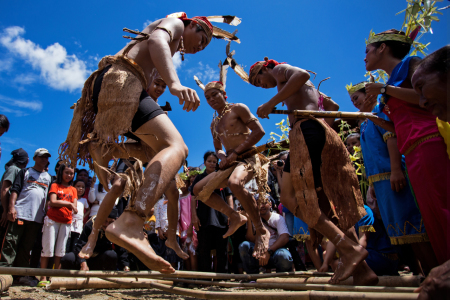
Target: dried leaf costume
(334,172)
(257,163)
(111,119)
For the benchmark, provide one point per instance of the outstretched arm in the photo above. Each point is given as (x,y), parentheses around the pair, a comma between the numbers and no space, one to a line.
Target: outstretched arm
(161,55)
(294,77)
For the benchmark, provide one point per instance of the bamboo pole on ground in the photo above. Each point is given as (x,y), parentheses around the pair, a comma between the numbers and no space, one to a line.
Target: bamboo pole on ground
(5,282)
(388,281)
(303,287)
(102,283)
(151,274)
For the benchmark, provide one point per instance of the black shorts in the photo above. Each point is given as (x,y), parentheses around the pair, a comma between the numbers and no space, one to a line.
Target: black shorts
(314,135)
(147,110)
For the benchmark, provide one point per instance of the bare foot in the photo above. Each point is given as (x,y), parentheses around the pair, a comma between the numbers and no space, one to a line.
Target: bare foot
(127,232)
(261,243)
(88,249)
(364,276)
(236,221)
(176,247)
(95,151)
(348,261)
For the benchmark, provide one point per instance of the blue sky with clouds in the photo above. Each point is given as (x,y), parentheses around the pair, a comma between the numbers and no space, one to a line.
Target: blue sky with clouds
(48,48)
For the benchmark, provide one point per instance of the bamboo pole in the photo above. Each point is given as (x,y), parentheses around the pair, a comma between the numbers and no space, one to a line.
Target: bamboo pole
(303,287)
(102,283)
(5,282)
(150,274)
(327,114)
(307,295)
(388,281)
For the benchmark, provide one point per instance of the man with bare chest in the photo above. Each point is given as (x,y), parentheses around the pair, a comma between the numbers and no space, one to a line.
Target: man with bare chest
(318,185)
(237,130)
(115,104)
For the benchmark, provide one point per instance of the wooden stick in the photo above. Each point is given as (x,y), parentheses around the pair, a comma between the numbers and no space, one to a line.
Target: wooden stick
(102,283)
(5,282)
(149,274)
(388,281)
(327,114)
(303,287)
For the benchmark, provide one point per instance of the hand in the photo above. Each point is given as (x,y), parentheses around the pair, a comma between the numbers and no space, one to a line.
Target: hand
(84,266)
(437,284)
(264,259)
(74,208)
(4,219)
(372,92)
(196,222)
(277,167)
(12,214)
(264,110)
(398,180)
(93,180)
(161,234)
(223,162)
(185,95)
(231,158)
(190,231)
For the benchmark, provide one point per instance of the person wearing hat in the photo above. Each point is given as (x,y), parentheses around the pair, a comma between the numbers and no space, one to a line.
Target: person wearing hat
(106,255)
(26,211)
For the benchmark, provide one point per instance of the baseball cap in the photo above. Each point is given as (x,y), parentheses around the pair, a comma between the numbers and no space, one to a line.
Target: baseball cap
(42,152)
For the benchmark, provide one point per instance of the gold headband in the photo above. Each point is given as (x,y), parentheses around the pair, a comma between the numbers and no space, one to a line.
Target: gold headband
(389,37)
(353,88)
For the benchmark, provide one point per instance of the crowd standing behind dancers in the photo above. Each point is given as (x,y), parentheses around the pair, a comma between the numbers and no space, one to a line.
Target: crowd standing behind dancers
(408,133)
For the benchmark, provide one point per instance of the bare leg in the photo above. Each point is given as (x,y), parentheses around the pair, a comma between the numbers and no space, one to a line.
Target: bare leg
(236,182)
(103,212)
(160,134)
(314,255)
(235,219)
(44,264)
(57,262)
(193,259)
(172,216)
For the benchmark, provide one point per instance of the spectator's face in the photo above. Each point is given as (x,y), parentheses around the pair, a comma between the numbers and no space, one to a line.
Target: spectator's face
(80,188)
(107,223)
(157,88)
(68,174)
(433,93)
(358,99)
(83,176)
(211,163)
(41,161)
(264,208)
(351,142)
(2,131)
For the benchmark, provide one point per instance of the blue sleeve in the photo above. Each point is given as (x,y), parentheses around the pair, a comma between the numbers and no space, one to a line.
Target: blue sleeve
(367,220)
(383,116)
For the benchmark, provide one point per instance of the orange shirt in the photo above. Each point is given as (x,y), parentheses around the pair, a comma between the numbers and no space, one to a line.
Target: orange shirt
(65,193)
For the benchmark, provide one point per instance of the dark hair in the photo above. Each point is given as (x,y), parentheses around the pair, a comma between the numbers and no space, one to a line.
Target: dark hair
(60,174)
(437,62)
(187,22)
(354,134)
(398,49)
(208,154)
(82,170)
(4,122)
(282,153)
(78,180)
(100,188)
(58,163)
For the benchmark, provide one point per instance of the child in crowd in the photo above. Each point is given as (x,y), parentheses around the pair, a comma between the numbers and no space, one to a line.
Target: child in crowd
(351,141)
(57,223)
(96,195)
(77,218)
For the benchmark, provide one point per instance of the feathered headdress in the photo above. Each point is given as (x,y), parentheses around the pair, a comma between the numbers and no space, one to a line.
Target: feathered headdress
(228,62)
(210,30)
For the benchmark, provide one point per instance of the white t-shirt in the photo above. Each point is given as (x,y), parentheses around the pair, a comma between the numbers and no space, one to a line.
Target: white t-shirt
(77,219)
(94,194)
(276,221)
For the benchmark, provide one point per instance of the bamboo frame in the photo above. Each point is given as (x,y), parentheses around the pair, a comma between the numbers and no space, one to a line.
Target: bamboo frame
(302,287)
(150,274)
(102,283)
(327,114)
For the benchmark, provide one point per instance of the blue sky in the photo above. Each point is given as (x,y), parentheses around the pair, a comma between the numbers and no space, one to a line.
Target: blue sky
(48,49)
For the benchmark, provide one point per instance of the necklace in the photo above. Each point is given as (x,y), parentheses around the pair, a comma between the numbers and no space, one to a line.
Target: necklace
(217,118)
(181,49)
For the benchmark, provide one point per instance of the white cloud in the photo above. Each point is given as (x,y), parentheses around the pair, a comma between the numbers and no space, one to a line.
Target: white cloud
(33,105)
(6,64)
(25,79)
(148,22)
(58,69)
(204,72)
(16,142)
(176,59)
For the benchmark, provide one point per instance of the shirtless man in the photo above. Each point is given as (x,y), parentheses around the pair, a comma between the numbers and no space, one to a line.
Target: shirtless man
(118,91)
(237,130)
(295,90)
